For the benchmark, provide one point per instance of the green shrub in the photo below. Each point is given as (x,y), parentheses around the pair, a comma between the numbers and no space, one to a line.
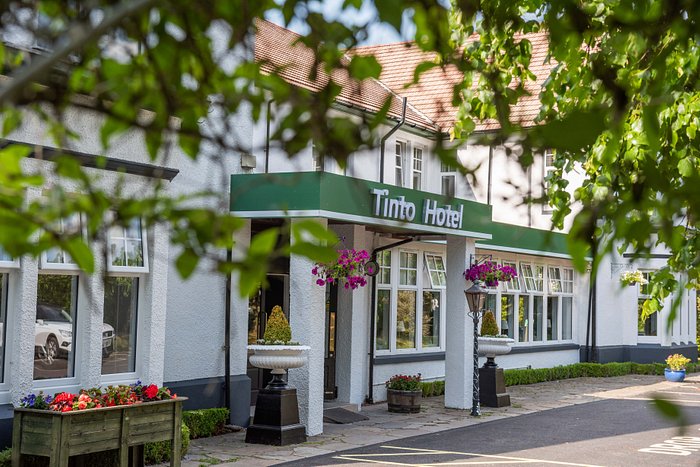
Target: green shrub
(277,328)
(489,327)
(579,370)
(205,422)
(433,388)
(6,457)
(155,453)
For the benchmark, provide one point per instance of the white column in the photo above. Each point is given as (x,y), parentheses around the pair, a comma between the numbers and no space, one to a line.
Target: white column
(307,318)
(239,307)
(351,328)
(459,335)
(154,301)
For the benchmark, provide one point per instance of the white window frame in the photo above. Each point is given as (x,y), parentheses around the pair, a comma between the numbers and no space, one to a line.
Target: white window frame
(531,287)
(317,160)
(400,162)
(11,263)
(128,376)
(128,269)
(422,285)
(514,285)
(417,165)
(647,339)
(547,167)
(442,273)
(448,172)
(47,265)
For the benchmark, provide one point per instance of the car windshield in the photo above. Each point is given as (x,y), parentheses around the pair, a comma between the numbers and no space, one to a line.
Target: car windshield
(52,313)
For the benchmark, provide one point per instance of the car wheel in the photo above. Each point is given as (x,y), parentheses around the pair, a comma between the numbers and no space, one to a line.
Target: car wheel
(50,350)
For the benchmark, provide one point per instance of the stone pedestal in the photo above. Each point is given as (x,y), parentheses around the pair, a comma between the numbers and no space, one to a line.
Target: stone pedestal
(492,387)
(276,419)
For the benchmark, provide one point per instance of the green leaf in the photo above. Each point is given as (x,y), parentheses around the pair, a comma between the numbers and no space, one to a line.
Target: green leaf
(365,66)
(671,411)
(186,263)
(390,11)
(309,230)
(264,243)
(686,167)
(81,254)
(575,131)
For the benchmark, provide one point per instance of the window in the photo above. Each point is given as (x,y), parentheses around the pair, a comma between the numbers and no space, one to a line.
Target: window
(56,258)
(507,315)
(127,248)
(384,260)
(523,318)
(512,285)
(533,276)
(409,306)
(317,161)
(560,302)
(448,180)
(408,268)
(431,319)
(3,323)
(400,154)
(417,168)
(119,327)
(7,261)
(537,317)
(648,326)
(549,169)
(56,308)
(436,271)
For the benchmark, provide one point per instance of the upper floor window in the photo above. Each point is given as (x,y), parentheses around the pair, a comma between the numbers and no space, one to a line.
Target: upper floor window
(448,180)
(417,168)
(55,257)
(512,285)
(317,160)
(384,260)
(127,250)
(549,168)
(408,268)
(6,260)
(399,156)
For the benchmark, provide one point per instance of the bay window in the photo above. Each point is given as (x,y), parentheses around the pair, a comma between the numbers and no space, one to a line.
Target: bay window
(409,301)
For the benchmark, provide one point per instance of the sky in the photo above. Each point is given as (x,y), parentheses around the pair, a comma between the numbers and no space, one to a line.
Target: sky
(378,33)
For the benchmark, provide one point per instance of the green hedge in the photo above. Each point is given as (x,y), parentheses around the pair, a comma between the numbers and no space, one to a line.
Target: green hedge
(205,422)
(155,453)
(579,370)
(433,388)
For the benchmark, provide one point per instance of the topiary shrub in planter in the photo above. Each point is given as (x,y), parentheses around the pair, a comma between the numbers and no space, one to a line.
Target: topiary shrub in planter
(277,328)
(489,327)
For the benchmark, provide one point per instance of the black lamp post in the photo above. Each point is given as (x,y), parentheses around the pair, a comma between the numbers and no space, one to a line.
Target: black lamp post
(476,299)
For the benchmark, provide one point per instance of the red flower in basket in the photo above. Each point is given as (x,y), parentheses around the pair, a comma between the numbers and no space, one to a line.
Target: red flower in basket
(151,391)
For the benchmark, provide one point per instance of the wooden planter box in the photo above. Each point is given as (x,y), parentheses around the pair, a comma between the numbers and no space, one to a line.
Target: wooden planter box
(59,435)
(404,401)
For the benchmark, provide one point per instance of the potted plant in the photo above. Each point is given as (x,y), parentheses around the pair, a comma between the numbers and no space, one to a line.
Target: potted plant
(277,351)
(676,367)
(350,268)
(276,419)
(491,342)
(404,393)
(633,277)
(489,273)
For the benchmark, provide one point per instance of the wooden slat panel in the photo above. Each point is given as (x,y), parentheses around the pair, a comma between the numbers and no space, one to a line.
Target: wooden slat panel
(158,418)
(93,437)
(98,446)
(34,426)
(36,444)
(96,416)
(146,428)
(95,426)
(163,434)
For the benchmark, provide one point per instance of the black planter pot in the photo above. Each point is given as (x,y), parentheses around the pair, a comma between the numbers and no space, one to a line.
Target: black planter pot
(404,401)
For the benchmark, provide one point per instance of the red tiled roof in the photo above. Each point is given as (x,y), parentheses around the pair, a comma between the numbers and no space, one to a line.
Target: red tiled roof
(279,51)
(430,101)
(433,94)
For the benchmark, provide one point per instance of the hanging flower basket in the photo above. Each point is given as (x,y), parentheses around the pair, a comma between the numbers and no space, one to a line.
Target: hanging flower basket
(490,273)
(350,269)
(633,277)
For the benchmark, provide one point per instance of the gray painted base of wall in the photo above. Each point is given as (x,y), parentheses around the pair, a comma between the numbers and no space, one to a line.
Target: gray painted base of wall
(6,414)
(640,353)
(209,392)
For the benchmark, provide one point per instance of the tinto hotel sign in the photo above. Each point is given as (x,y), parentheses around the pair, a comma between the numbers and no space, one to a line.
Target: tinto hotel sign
(400,209)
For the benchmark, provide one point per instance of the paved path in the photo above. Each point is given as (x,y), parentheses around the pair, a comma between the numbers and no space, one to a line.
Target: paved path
(593,421)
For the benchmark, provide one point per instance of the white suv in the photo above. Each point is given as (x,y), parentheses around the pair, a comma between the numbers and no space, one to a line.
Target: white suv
(54,333)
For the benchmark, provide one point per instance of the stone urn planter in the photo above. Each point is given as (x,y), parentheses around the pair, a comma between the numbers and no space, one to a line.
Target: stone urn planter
(276,419)
(404,401)
(491,347)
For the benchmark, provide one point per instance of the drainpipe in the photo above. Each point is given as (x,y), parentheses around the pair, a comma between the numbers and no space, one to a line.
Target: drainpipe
(386,136)
(588,320)
(268,117)
(227,338)
(372,319)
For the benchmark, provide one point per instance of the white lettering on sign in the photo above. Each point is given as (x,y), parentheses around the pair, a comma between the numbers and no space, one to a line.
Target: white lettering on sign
(676,446)
(399,208)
